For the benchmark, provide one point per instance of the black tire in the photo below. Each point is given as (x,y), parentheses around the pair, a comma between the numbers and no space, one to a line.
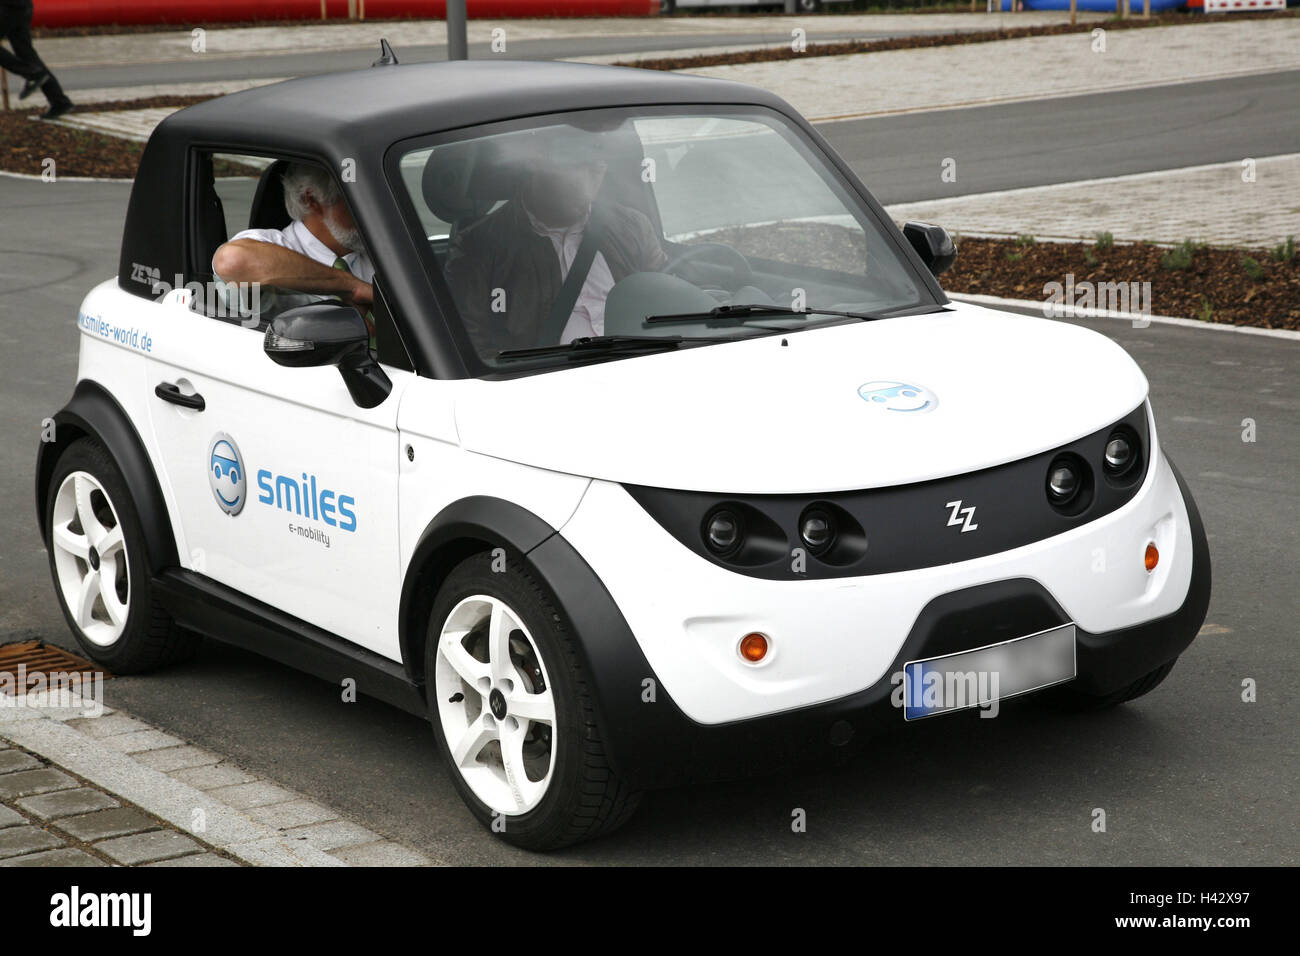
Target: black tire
(1069,699)
(808,6)
(584,799)
(667,7)
(149,637)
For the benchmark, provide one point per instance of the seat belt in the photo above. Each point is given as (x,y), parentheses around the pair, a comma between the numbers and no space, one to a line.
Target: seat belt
(567,297)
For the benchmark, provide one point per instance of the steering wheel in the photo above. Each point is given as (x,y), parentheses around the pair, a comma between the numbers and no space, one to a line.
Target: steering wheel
(741,272)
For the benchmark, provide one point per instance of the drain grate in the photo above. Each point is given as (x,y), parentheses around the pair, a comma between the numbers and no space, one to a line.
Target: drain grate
(35,663)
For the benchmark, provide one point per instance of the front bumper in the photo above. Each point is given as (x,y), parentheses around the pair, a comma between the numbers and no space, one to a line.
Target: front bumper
(831,638)
(655,736)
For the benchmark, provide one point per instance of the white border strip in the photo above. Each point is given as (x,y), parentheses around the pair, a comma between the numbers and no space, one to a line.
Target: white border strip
(1069,311)
(68,179)
(1106,180)
(1098,90)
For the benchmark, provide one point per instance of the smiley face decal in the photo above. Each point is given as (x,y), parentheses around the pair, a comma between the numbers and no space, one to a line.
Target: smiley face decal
(898,397)
(226,474)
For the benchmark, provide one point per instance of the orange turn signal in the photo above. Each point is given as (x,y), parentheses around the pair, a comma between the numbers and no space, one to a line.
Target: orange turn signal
(1152,557)
(753,647)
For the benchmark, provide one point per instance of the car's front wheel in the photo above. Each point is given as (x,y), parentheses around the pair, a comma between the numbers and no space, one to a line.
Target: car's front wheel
(101,572)
(512,711)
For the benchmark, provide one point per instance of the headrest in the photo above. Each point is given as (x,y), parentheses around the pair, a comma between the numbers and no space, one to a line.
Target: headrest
(463,180)
(445,182)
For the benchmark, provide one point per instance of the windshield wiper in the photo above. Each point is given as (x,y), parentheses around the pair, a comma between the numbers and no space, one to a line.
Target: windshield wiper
(743,313)
(604,344)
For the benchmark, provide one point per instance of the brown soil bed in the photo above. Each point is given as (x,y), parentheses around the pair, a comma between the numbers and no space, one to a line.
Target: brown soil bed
(26,143)
(771,54)
(1215,286)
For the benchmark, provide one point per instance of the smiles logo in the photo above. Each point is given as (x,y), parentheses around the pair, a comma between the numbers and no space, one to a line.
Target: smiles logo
(898,397)
(226,474)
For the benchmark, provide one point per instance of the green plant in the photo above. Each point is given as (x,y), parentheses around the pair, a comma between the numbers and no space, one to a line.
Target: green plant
(1252,268)
(1089,256)
(1024,241)
(1284,252)
(1014,256)
(1180,256)
(1105,241)
(1206,312)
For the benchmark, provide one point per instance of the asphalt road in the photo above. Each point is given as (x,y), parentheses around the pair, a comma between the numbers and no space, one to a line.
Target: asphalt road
(1063,140)
(1188,775)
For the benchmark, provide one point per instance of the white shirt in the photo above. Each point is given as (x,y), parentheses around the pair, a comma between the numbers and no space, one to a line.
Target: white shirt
(588,316)
(299,238)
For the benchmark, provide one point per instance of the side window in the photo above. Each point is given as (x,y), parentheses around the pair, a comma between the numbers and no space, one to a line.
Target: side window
(236,192)
(224,191)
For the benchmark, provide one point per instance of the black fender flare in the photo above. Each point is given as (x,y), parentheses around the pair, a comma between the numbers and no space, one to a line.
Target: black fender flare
(94,413)
(463,528)
(630,718)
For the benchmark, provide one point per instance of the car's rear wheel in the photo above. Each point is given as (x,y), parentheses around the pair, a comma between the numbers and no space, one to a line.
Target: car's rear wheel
(101,574)
(512,712)
(1068,698)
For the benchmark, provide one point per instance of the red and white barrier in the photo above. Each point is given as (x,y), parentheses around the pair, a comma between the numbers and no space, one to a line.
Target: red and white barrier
(1243,6)
(85,13)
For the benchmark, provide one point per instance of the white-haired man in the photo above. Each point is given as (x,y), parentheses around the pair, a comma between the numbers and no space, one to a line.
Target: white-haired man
(318,255)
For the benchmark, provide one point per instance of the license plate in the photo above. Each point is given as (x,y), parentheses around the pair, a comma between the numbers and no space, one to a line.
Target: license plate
(973,678)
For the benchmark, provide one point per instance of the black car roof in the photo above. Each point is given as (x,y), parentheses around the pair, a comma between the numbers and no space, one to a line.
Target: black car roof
(377,106)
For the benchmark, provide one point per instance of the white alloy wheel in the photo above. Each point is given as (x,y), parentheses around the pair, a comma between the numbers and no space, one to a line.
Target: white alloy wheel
(495,705)
(90,558)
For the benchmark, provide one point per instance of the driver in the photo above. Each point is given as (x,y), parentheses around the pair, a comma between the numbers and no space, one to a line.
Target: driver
(319,254)
(507,270)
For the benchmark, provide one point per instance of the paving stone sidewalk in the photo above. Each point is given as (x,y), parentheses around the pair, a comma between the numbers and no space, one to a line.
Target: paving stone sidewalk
(1211,204)
(867,84)
(108,789)
(51,818)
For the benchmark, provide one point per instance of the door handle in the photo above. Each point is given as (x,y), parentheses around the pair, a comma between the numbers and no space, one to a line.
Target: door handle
(170,392)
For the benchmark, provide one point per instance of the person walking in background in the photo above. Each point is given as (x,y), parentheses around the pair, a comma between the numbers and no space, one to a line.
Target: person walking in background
(16,27)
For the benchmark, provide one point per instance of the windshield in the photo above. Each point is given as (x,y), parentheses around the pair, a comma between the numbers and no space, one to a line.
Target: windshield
(585,226)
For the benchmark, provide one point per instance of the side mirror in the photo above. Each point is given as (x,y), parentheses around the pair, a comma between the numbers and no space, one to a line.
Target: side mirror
(932,244)
(329,333)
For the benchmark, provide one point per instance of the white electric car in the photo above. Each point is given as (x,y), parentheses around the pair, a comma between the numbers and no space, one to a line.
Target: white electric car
(661,455)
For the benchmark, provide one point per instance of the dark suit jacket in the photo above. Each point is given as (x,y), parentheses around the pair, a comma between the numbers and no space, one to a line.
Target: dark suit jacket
(501,251)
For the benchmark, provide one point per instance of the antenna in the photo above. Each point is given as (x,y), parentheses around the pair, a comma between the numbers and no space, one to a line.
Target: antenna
(388,57)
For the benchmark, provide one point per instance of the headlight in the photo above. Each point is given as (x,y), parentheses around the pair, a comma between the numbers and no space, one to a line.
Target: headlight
(1069,484)
(1123,455)
(817,530)
(1062,482)
(723,532)
(1119,453)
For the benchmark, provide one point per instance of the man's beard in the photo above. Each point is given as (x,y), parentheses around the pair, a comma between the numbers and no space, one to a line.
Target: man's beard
(347,238)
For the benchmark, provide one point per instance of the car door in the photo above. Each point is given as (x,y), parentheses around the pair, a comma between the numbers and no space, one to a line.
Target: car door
(285,489)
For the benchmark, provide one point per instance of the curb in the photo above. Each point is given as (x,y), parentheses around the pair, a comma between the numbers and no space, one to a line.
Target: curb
(1137,318)
(113,752)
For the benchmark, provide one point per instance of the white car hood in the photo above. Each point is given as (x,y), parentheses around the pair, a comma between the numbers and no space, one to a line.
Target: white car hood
(759,416)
